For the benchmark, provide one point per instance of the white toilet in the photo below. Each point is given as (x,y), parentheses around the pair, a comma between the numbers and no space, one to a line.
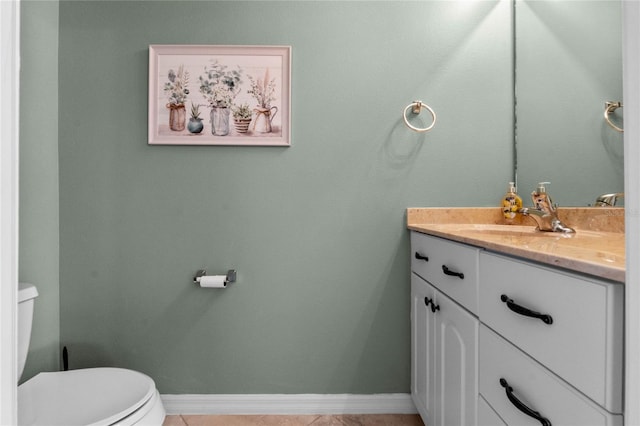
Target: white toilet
(90,396)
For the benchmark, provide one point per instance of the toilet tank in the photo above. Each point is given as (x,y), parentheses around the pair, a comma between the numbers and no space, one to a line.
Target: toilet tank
(26,297)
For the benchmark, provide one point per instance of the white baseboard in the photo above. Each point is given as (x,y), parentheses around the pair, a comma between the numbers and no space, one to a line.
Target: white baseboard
(386,403)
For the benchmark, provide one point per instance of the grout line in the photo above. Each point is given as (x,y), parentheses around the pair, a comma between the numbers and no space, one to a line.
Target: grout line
(313,421)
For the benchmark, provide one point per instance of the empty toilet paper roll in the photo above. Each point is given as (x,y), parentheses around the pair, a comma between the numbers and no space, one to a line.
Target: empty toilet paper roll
(212,281)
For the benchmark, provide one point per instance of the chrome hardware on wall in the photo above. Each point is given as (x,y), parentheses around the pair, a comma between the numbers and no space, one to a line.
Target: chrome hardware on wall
(609,107)
(202,273)
(416,107)
(608,200)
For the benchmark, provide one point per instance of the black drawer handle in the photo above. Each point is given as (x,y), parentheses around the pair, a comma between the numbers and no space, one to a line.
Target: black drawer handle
(520,406)
(427,301)
(524,311)
(448,271)
(421,257)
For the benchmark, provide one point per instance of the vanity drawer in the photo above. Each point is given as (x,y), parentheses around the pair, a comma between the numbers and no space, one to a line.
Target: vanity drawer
(581,340)
(534,386)
(449,266)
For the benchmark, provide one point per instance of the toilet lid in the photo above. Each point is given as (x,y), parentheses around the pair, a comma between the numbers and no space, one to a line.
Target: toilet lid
(91,396)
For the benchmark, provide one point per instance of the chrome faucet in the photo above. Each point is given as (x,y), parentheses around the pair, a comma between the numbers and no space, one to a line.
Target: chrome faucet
(544,212)
(608,200)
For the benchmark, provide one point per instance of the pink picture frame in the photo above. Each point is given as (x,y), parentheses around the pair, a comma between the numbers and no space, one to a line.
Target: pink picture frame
(219,95)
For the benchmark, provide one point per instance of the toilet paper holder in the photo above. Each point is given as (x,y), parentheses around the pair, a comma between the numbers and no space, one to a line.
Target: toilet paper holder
(231,276)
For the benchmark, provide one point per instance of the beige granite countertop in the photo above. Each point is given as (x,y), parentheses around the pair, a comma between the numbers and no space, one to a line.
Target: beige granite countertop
(597,248)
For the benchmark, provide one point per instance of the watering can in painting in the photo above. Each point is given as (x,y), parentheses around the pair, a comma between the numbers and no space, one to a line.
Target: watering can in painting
(264,117)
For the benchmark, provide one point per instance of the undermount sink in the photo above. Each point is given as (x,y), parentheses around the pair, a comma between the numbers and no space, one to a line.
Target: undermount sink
(602,245)
(517,230)
(520,231)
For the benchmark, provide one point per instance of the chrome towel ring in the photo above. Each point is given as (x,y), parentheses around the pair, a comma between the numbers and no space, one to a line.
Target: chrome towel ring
(416,107)
(609,107)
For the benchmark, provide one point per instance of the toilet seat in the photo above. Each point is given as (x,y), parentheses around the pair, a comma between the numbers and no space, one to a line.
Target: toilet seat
(92,396)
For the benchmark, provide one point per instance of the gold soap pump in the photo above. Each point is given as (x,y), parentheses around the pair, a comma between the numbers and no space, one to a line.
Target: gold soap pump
(511,203)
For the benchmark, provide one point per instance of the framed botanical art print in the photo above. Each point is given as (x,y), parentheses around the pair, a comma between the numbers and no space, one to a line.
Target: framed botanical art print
(219,95)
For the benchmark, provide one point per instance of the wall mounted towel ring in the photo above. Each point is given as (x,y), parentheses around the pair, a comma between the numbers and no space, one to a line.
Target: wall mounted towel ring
(609,107)
(416,107)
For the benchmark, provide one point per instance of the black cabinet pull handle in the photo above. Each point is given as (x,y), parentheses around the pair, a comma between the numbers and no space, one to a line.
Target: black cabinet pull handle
(521,406)
(421,257)
(434,307)
(448,271)
(524,311)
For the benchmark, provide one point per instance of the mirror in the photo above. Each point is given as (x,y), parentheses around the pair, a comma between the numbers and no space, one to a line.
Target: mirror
(568,63)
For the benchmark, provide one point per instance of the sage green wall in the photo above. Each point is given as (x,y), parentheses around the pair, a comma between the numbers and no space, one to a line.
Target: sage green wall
(316,231)
(39,219)
(567,66)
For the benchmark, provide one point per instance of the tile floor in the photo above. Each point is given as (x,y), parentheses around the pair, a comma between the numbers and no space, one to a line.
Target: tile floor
(305,420)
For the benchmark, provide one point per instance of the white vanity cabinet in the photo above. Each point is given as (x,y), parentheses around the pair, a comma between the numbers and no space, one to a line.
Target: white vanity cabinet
(444,339)
(571,324)
(538,345)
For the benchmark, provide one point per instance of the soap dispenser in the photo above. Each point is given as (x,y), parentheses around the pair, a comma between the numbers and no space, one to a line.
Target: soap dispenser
(511,203)
(541,199)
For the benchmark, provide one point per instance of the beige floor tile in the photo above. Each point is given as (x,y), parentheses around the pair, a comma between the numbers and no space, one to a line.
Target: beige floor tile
(300,420)
(328,421)
(223,420)
(173,421)
(391,420)
(249,420)
(370,420)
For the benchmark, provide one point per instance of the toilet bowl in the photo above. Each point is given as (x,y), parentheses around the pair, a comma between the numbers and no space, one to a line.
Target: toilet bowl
(90,396)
